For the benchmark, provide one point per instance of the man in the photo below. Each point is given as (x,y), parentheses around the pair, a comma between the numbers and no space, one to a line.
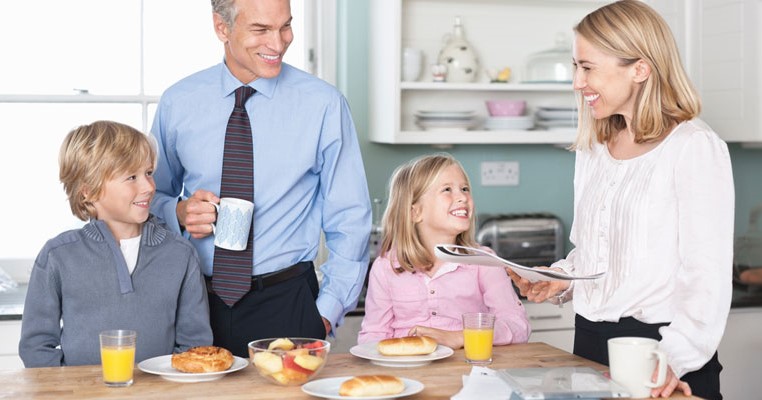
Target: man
(308,176)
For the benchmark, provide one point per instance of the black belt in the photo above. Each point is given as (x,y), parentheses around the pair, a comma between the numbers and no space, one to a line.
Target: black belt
(259,282)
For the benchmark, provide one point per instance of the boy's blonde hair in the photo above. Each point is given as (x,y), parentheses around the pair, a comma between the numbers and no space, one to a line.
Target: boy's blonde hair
(632,31)
(92,154)
(409,182)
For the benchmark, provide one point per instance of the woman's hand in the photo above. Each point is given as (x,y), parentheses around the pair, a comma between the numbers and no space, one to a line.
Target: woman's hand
(751,276)
(670,384)
(451,339)
(538,291)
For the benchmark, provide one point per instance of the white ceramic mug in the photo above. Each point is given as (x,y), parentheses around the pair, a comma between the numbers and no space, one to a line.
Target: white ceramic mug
(632,361)
(231,231)
(412,62)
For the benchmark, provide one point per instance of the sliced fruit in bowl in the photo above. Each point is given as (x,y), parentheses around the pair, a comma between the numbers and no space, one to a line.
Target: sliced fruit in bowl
(289,361)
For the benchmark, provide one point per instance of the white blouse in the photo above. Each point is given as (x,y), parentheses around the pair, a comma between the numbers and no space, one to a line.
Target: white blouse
(661,226)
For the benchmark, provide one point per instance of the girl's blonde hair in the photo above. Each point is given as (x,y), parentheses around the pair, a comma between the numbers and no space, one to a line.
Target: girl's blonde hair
(632,31)
(92,154)
(409,182)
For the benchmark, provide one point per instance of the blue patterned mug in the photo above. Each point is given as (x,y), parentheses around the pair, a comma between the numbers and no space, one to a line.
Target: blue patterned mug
(231,230)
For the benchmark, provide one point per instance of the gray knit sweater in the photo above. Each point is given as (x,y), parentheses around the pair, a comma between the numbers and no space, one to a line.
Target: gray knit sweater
(80,285)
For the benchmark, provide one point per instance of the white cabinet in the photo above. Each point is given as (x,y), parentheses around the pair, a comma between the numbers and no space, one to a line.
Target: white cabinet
(721,45)
(10,333)
(503,33)
(739,353)
(551,324)
(346,335)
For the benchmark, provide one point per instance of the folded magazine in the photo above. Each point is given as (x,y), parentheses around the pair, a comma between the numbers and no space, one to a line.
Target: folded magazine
(469,255)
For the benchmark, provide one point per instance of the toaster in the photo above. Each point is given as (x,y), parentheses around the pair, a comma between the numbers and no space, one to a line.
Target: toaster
(527,239)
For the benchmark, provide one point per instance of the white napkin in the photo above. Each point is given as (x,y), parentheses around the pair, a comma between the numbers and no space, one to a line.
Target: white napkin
(483,384)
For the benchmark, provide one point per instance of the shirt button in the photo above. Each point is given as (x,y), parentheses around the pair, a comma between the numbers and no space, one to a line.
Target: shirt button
(433,313)
(431,291)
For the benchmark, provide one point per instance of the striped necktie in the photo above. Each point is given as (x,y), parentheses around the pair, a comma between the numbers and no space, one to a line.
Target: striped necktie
(231,278)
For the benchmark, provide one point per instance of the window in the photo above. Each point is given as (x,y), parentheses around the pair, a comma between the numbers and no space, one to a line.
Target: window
(68,63)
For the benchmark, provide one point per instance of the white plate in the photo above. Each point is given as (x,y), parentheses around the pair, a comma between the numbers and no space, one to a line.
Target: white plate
(438,118)
(508,123)
(570,115)
(444,114)
(446,124)
(162,366)
(328,388)
(554,123)
(369,351)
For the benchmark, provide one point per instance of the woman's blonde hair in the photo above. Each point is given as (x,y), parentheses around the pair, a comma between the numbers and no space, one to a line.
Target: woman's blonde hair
(92,154)
(409,182)
(632,31)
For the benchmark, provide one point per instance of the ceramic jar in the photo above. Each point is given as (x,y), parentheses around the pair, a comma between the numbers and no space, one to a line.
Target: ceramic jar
(459,56)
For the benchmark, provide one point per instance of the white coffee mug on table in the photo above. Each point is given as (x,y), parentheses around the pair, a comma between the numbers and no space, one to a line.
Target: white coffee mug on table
(632,361)
(231,231)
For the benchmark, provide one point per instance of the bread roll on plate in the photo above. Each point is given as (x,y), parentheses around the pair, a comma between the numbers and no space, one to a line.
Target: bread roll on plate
(371,385)
(203,359)
(407,346)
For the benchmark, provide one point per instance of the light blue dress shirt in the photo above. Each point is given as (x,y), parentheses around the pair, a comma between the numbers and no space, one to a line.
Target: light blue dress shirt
(308,173)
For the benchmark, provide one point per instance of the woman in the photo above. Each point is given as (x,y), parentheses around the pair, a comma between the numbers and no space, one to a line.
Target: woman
(653,202)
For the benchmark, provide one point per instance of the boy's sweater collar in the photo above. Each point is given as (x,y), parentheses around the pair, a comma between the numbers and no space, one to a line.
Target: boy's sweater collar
(152,232)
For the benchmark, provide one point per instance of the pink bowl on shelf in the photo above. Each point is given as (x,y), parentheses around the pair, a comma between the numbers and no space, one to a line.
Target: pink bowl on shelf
(506,108)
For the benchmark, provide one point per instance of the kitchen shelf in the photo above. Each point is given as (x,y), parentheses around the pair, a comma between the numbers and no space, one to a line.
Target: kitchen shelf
(450,136)
(499,30)
(488,87)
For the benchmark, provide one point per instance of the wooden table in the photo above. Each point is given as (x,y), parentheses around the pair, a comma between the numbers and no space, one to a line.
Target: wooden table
(442,378)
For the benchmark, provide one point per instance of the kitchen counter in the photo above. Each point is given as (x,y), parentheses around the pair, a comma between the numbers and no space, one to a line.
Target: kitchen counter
(442,379)
(12,303)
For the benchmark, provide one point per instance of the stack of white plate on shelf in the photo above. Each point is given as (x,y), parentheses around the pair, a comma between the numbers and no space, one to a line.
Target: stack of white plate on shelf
(517,123)
(556,117)
(431,120)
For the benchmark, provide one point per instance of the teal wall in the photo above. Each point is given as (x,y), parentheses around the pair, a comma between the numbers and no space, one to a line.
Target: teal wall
(546,171)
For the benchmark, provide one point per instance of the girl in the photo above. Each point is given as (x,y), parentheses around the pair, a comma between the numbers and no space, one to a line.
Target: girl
(410,291)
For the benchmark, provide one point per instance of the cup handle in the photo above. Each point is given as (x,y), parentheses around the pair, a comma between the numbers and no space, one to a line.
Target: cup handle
(661,375)
(214,224)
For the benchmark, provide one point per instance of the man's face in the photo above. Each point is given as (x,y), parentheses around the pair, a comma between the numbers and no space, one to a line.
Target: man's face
(258,39)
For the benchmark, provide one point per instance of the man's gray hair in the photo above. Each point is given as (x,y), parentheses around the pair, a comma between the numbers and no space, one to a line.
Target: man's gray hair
(226,9)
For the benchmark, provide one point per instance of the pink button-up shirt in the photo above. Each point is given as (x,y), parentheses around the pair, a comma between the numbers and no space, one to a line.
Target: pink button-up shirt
(397,302)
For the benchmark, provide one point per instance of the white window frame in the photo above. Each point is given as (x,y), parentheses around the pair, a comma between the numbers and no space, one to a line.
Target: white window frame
(319,29)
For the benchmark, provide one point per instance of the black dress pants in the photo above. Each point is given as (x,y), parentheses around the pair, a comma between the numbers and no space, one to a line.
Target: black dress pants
(286,309)
(591,342)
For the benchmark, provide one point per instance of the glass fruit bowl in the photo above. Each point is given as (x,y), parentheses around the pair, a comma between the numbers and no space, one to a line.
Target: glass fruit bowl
(289,361)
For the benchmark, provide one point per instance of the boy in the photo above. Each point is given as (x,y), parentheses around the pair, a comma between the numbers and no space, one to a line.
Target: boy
(122,270)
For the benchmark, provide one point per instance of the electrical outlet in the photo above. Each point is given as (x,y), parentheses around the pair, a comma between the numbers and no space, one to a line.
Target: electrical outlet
(500,173)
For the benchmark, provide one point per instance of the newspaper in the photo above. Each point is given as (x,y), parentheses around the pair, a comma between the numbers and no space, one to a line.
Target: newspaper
(470,255)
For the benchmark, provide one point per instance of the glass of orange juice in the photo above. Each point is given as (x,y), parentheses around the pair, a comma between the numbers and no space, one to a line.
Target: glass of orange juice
(117,356)
(478,329)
